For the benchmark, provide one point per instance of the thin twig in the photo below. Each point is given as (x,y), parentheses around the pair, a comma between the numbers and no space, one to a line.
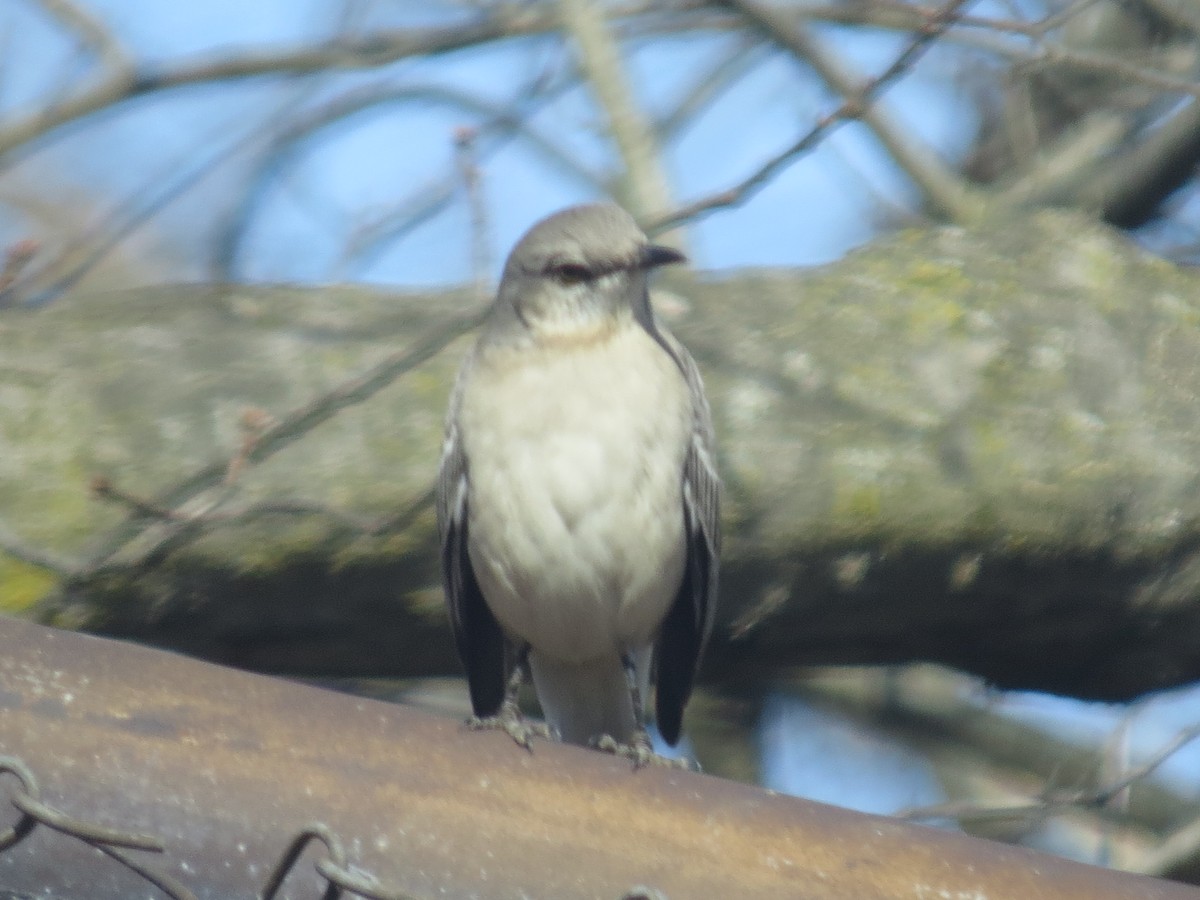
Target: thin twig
(468,169)
(500,124)
(1106,64)
(741,57)
(282,432)
(58,564)
(1056,800)
(136,211)
(851,108)
(252,423)
(901,15)
(16,258)
(371,51)
(385,47)
(90,31)
(1104,795)
(103,488)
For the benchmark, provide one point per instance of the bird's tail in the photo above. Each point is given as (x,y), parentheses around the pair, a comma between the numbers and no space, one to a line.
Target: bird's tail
(583,701)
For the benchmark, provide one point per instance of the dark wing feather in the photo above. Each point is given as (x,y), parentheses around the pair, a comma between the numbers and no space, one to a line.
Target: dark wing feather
(479,637)
(689,622)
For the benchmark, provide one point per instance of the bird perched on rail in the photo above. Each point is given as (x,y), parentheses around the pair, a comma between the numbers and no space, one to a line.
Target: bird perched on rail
(578,497)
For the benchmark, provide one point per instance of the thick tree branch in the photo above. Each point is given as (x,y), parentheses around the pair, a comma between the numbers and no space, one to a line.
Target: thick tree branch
(921,464)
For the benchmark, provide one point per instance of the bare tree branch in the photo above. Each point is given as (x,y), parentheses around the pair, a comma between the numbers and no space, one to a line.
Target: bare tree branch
(647,187)
(1053,801)
(469,173)
(740,58)
(852,107)
(90,31)
(1012,767)
(1177,856)
(16,546)
(500,123)
(1139,179)
(78,258)
(183,524)
(1059,171)
(1120,69)
(1182,15)
(366,52)
(948,194)
(900,15)
(16,257)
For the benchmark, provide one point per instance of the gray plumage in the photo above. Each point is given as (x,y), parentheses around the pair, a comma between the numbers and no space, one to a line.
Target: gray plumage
(578,500)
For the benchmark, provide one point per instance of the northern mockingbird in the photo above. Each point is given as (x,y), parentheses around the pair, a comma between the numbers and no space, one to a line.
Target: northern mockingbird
(578,496)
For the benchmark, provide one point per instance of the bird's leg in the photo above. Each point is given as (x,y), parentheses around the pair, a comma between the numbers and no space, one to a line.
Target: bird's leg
(639,749)
(510,719)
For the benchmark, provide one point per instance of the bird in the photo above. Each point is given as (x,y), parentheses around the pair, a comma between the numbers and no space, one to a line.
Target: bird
(578,500)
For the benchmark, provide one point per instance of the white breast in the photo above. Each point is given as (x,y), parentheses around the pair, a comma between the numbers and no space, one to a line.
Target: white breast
(575,459)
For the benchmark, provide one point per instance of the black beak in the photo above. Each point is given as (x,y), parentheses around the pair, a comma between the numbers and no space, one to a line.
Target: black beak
(654,256)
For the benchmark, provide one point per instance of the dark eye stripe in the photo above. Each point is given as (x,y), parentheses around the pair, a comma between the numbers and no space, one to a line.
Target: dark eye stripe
(570,273)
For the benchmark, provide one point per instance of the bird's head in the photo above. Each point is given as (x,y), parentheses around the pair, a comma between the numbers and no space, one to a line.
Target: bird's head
(578,273)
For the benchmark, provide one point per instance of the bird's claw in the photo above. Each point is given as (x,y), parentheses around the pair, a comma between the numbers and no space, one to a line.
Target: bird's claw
(640,752)
(511,722)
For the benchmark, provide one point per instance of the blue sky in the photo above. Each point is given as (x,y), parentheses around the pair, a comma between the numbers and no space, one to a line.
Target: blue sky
(811,213)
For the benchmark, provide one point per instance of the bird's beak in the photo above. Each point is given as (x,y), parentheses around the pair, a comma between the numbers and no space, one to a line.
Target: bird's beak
(654,256)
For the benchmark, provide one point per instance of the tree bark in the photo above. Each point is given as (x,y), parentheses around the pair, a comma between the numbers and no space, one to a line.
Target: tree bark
(970,446)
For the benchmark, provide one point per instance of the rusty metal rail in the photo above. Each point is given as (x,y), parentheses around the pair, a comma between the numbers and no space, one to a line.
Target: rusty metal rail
(114,843)
(107,840)
(194,781)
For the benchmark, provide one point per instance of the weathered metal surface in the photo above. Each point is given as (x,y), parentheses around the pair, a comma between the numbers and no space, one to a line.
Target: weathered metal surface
(225,768)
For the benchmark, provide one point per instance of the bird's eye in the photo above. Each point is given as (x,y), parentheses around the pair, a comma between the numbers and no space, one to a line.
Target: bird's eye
(569,273)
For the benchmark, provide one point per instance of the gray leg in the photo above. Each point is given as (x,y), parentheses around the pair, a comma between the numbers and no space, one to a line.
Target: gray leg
(639,749)
(510,719)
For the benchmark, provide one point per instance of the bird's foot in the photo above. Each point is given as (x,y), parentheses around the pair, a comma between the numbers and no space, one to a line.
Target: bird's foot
(640,751)
(511,722)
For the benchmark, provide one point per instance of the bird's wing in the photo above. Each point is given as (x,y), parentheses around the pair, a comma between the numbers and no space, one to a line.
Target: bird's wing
(480,639)
(689,621)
